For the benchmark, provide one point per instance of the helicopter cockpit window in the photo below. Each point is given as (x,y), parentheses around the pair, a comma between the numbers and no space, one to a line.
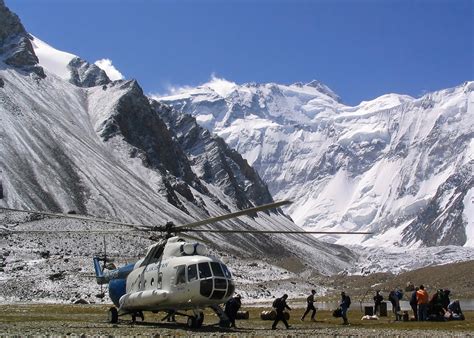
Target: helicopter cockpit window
(226,271)
(204,270)
(216,269)
(180,274)
(192,273)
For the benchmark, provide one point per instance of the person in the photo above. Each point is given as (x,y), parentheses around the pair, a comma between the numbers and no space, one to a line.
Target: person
(399,296)
(378,299)
(413,303)
(345,304)
(310,306)
(280,305)
(231,308)
(454,309)
(435,306)
(393,298)
(422,303)
(445,300)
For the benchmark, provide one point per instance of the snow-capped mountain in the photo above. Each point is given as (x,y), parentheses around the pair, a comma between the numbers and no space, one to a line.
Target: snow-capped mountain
(72,140)
(398,166)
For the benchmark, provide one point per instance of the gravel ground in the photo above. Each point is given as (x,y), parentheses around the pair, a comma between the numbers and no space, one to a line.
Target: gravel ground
(89,320)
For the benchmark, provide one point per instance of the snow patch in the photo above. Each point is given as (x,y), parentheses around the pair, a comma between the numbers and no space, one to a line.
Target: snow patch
(468,216)
(51,59)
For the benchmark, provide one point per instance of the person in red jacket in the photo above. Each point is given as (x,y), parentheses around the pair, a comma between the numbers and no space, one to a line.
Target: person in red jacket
(422,300)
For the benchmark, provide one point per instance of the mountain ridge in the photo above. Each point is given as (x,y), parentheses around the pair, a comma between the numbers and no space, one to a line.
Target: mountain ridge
(318,150)
(74,141)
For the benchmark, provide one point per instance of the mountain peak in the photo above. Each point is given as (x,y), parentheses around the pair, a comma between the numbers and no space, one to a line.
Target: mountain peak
(220,86)
(15,46)
(84,74)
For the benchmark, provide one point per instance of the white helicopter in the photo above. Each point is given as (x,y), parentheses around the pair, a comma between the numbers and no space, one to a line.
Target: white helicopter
(176,274)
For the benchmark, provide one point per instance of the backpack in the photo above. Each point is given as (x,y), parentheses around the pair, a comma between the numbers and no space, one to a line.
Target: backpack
(348,301)
(276,302)
(337,313)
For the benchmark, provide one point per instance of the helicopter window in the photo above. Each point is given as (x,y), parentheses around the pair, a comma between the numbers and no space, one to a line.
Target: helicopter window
(226,271)
(181,274)
(158,282)
(192,273)
(204,270)
(152,281)
(216,269)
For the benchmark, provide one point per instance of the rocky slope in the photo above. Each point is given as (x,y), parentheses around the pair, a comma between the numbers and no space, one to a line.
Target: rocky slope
(72,140)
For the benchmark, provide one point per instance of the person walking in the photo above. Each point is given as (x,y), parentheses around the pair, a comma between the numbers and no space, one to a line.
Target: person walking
(280,305)
(310,306)
(422,299)
(378,299)
(345,304)
(231,308)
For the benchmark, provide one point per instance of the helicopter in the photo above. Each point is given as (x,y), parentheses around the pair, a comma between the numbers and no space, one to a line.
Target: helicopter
(177,274)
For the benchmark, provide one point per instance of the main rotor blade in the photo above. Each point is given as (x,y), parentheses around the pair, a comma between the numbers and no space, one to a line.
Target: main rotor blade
(280,232)
(231,215)
(115,232)
(79,217)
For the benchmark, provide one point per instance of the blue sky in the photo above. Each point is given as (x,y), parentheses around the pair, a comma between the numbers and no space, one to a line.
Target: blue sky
(360,49)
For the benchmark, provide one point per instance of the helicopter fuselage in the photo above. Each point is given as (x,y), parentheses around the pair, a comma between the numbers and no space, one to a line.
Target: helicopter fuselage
(171,277)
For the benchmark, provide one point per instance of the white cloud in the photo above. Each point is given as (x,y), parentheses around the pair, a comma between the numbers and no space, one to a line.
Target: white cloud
(107,66)
(221,86)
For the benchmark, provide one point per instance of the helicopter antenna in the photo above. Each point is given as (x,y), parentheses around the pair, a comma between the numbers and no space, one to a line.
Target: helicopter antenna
(105,255)
(102,293)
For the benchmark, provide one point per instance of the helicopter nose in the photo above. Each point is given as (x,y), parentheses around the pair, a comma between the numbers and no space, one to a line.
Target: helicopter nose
(217,288)
(217,285)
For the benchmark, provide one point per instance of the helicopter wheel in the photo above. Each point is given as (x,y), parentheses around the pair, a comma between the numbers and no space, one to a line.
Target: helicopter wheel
(192,322)
(113,315)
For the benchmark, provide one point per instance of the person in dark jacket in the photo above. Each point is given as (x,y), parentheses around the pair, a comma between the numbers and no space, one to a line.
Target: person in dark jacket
(378,299)
(445,300)
(280,305)
(435,305)
(394,298)
(345,303)
(231,308)
(413,303)
(310,306)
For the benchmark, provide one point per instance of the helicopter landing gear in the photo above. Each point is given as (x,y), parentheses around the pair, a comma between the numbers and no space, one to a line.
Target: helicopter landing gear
(139,314)
(113,315)
(195,322)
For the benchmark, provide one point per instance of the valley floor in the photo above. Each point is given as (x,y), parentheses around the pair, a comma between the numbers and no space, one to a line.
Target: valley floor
(79,320)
